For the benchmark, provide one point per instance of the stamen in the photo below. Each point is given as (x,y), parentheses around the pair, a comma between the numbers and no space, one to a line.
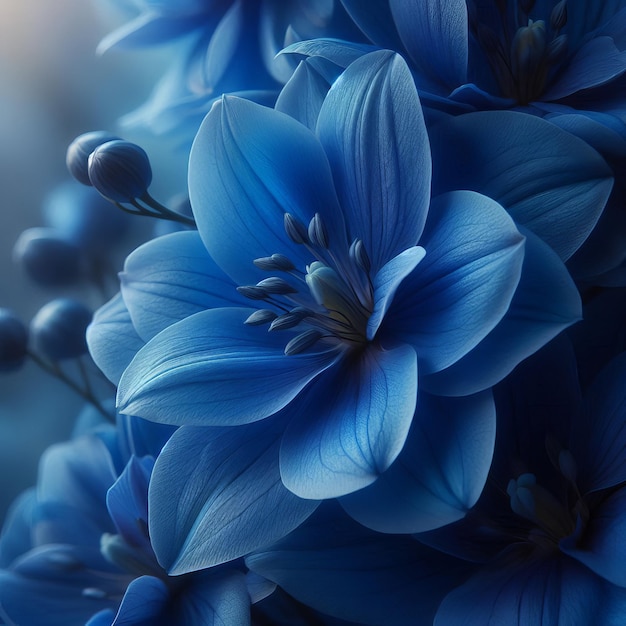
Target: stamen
(290,320)
(276,262)
(253,292)
(276,286)
(303,341)
(359,255)
(317,232)
(296,231)
(558,17)
(261,317)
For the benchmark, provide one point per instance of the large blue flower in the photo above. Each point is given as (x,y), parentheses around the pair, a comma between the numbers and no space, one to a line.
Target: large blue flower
(319,230)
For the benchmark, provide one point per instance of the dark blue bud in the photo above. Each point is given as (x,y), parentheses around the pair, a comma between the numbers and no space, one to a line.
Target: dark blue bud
(13,341)
(261,317)
(317,232)
(78,152)
(276,286)
(120,171)
(47,257)
(359,255)
(296,230)
(58,329)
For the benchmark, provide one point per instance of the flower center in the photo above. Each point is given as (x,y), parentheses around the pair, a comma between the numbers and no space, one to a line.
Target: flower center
(523,53)
(330,301)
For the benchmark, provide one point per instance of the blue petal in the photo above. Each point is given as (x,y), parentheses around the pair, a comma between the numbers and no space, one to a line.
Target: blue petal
(550,181)
(334,565)
(465,283)
(112,338)
(387,281)
(102,618)
(435,34)
(248,166)
(143,603)
(372,128)
(440,472)
(350,426)
(212,369)
(599,439)
(15,538)
(303,96)
(173,277)
(546,301)
(341,53)
(602,547)
(597,62)
(224,486)
(552,592)
(127,501)
(375,19)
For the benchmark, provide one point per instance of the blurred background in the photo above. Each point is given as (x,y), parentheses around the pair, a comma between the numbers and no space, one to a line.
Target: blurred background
(52,88)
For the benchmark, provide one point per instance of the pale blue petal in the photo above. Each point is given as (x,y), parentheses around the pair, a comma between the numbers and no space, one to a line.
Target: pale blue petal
(348,428)
(440,472)
(173,277)
(212,369)
(435,34)
(248,166)
(387,281)
(303,95)
(143,603)
(465,283)
(599,438)
(341,53)
(372,128)
(545,302)
(224,485)
(602,547)
(112,339)
(550,181)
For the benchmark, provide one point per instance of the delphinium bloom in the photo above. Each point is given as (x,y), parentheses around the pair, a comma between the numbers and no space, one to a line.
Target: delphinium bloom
(219,47)
(353,288)
(76,549)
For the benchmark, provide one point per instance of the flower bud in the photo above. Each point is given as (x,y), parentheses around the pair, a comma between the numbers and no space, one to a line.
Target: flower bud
(13,341)
(558,17)
(58,329)
(48,258)
(78,152)
(120,170)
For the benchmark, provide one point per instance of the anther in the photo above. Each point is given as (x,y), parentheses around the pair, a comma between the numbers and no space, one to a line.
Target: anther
(558,17)
(359,255)
(303,341)
(261,317)
(276,262)
(277,286)
(289,320)
(252,292)
(296,230)
(317,232)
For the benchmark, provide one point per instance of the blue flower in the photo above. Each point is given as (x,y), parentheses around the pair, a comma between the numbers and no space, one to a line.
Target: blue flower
(80,543)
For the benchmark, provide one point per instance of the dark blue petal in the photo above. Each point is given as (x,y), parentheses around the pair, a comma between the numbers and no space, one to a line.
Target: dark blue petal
(15,538)
(465,283)
(372,128)
(348,428)
(224,486)
(375,19)
(545,302)
(170,278)
(212,369)
(248,166)
(112,338)
(435,34)
(602,547)
(440,472)
(599,438)
(552,592)
(550,181)
(341,568)
(143,603)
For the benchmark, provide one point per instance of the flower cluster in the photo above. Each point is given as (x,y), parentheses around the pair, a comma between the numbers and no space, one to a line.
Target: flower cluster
(374,369)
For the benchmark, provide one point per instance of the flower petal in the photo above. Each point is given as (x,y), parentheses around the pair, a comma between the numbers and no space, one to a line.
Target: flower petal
(372,128)
(435,34)
(440,472)
(212,369)
(465,283)
(112,338)
(224,485)
(173,277)
(550,181)
(249,165)
(351,424)
(545,302)
(145,600)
